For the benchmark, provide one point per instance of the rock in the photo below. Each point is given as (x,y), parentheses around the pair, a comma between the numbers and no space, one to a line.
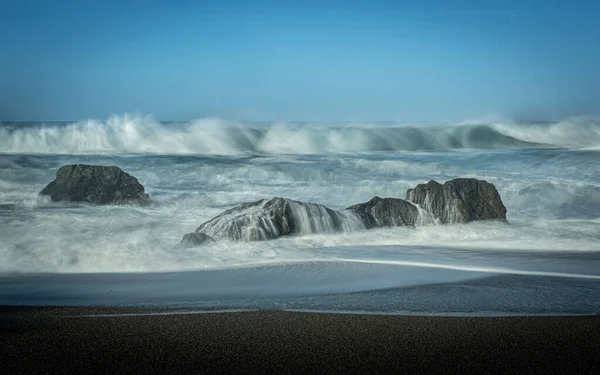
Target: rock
(194,239)
(461,200)
(277,217)
(388,212)
(458,201)
(95,184)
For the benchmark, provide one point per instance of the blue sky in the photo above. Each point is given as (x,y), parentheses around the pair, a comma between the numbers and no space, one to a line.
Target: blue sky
(433,60)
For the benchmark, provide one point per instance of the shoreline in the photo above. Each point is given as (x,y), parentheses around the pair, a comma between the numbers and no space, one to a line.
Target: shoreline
(52,340)
(103,311)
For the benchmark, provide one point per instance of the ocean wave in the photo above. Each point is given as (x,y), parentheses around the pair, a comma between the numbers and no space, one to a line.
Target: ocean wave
(554,199)
(136,134)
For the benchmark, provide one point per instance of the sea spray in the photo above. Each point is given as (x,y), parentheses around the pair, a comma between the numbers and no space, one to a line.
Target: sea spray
(144,135)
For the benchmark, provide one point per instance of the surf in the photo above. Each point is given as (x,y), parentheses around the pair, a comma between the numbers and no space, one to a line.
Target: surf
(131,134)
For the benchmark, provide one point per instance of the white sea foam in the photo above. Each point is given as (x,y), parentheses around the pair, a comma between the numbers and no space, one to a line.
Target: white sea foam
(552,195)
(572,133)
(137,134)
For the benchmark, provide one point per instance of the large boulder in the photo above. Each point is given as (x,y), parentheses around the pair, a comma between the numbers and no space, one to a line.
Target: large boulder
(273,218)
(457,201)
(461,200)
(95,184)
(388,212)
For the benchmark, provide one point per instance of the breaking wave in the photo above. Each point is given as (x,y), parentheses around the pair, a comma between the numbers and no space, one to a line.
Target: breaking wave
(136,134)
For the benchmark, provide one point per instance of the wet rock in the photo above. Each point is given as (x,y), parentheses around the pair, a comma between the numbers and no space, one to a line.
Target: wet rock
(277,217)
(461,200)
(195,239)
(388,212)
(95,184)
(458,201)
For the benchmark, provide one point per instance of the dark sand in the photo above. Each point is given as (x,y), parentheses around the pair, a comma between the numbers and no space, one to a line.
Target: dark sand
(50,340)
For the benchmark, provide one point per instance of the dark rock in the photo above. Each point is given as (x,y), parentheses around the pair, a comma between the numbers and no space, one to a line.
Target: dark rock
(458,201)
(461,200)
(277,217)
(95,184)
(388,212)
(195,239)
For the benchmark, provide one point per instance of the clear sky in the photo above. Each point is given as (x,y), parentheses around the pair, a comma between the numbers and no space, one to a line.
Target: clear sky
(428,60)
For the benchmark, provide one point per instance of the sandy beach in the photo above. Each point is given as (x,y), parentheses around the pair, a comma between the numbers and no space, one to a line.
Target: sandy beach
(90,340)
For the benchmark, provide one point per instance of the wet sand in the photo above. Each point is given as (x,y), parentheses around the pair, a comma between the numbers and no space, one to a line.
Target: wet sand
(60,340)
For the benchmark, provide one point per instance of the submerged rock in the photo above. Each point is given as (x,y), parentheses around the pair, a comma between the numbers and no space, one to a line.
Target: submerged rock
(461,200)
(95,184)
(195,239)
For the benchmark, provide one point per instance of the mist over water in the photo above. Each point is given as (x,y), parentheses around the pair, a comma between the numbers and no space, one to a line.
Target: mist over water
(548,176)
(135,134)
(196,170)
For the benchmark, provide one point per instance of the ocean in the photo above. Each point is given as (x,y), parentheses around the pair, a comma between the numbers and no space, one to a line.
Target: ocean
(546,261)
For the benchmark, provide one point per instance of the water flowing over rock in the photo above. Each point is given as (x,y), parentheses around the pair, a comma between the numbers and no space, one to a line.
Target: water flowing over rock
(461,200)
(457,201)
(95,184)
(273,218)
(195,239)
